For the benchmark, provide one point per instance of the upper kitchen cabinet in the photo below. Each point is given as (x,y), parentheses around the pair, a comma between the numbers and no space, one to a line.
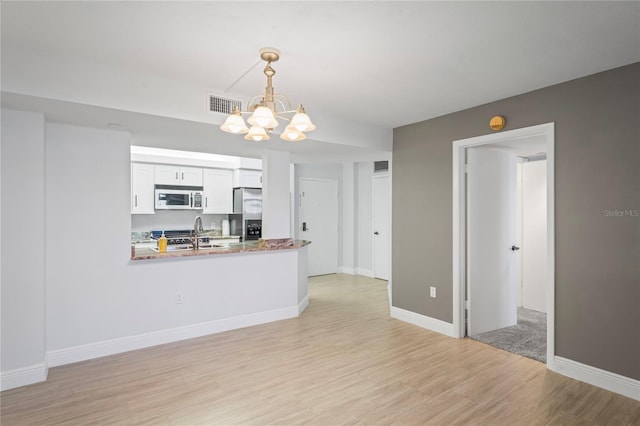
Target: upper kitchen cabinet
(142,181)
(245,178)
(217,191)
(178,175)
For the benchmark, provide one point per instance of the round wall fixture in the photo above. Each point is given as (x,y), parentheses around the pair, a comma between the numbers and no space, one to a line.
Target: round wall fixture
(497,122)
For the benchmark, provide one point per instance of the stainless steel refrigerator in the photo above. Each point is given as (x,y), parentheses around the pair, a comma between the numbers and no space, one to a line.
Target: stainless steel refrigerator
(246,220)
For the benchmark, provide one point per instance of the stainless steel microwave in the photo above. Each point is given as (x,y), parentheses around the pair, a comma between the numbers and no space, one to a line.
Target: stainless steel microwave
(188,198)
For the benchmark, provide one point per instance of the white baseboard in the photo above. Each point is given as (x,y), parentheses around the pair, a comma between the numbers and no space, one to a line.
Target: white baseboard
(23,376)
(303,304)
(422,321)
(355,271)
(594,376)
(365,272)
(130,343)
(346,270)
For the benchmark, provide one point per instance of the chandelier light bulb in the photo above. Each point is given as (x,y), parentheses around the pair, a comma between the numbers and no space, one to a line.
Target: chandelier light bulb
(257,134)
(291,134)
(263,117)
(235,124)
(302,122)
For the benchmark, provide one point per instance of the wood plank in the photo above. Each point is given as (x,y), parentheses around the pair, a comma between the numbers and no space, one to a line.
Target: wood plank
(344,361)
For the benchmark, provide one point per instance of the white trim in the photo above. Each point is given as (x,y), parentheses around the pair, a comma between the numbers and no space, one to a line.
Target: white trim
(365,272)
(346,270)
(594,376)
(459,238)
(422,321)
(303,304)
(130,343)
(23,376)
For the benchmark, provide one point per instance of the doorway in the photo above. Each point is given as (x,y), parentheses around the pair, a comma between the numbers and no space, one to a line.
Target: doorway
(381,226)
(461,239)
(319,224)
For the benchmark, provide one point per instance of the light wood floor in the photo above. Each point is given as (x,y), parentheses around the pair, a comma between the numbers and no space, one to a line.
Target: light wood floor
(344,361)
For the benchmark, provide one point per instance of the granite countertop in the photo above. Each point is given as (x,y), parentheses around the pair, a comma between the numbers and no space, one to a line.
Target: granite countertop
(142,253)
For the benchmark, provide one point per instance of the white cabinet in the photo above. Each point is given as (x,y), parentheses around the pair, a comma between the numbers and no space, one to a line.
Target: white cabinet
(178,175)
(217,191)
(245,178)
(142,181)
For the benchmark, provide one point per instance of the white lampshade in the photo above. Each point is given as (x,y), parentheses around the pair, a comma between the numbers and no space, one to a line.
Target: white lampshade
(291,134)
(234,124)
(302,122)
(263,117)
(257,133)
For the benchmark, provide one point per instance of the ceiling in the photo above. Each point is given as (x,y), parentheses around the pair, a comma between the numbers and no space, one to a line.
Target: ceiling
(385,63)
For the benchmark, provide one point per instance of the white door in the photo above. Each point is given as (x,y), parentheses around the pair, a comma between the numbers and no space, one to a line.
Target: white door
(491,233)
(319,224)
(381,227)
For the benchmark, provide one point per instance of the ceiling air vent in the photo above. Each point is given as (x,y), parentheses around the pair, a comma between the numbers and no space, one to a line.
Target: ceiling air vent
(223,105)
(380,166)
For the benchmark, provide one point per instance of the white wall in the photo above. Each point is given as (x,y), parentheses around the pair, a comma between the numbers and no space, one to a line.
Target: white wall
(534,235)
(23,256)
(348,264)
(275,195)
(88,235)
(364,213)
(98,300)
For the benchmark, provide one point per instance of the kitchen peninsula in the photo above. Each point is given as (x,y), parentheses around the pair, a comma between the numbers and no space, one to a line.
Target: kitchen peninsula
(146,253)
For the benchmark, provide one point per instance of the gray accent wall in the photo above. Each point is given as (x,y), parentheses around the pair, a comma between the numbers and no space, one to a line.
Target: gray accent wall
(597,217)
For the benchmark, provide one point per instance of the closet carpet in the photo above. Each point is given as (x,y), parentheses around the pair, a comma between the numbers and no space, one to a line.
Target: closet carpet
(527,338)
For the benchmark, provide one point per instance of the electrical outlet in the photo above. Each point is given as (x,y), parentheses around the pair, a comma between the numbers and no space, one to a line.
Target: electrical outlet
(432,292)
(179,298)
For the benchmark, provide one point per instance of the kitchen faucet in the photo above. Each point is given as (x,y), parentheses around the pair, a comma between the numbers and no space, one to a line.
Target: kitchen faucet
(197,230)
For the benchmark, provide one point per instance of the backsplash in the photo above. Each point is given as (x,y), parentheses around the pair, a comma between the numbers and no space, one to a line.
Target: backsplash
(174,219)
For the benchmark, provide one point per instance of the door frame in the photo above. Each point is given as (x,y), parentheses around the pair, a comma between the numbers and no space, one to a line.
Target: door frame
(546,130)
(379,175)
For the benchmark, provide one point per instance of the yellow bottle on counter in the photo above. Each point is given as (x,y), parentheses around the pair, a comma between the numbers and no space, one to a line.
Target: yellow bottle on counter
(162,243)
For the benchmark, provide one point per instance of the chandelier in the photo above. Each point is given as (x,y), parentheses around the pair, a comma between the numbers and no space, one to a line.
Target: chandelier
(266,109)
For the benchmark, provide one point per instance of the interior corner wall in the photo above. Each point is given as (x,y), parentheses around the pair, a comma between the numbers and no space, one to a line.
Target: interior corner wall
(276,212)
(597,209)
(348,218)
(23,262)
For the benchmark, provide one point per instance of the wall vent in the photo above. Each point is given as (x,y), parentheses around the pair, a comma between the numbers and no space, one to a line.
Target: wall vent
(223,105)
(380,166)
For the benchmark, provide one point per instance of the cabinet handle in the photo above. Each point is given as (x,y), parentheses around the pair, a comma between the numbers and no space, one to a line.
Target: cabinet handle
(176,175)
(182,175)
(206,201)
(135,204)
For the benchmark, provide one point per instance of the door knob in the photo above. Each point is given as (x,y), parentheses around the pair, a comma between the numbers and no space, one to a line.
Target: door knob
(376,233)
(514,248)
